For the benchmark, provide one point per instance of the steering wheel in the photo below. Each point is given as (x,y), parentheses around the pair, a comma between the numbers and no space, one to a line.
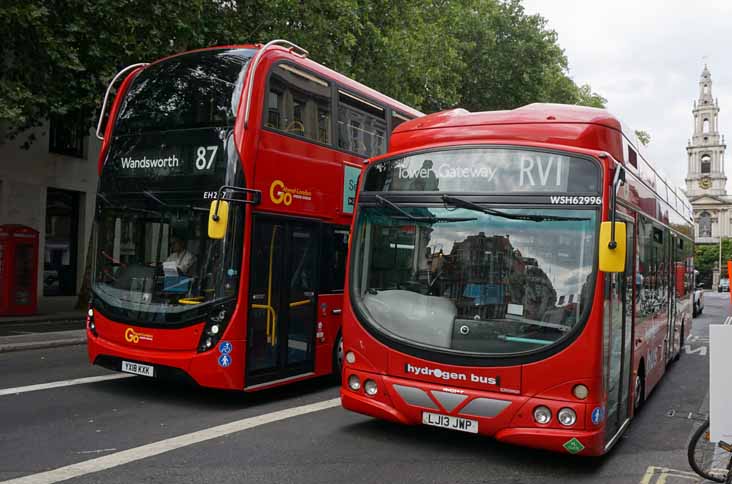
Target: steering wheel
(296,126)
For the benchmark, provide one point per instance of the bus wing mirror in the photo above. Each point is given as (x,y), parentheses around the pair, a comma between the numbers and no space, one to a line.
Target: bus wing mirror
(218,219)
(612,260)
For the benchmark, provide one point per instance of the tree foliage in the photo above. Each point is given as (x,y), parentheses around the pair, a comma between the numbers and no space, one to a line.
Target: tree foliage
(59,55)
(706,257)
(643,137)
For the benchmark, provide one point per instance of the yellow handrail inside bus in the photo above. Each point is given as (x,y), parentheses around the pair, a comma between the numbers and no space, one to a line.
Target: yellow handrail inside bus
(191,300)
(271,322)
(271,313)
(299,303)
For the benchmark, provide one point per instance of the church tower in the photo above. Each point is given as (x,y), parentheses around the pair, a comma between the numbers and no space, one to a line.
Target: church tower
(705,174)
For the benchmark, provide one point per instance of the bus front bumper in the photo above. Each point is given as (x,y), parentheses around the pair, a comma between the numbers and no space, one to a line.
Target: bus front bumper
(512,425)
(204,369)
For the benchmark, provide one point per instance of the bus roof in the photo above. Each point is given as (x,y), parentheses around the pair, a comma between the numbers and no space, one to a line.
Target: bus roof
(529,114)
(577,126)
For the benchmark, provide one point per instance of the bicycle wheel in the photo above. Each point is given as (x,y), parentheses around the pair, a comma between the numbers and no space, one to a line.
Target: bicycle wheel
(706,458)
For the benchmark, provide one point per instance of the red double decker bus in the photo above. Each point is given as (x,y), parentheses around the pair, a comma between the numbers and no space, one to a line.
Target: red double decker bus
(525,275)
(255,299)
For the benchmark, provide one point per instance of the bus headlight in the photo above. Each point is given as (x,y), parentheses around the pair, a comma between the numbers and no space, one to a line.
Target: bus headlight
(542,415)
(214,328)
(581,391)
(370,387)
(354,383)
(567,417)
(90,321)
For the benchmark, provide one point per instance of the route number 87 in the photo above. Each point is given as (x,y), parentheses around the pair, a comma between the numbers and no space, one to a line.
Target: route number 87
(205,156)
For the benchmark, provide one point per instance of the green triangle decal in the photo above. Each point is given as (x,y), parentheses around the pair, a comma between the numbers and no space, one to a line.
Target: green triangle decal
(574,446)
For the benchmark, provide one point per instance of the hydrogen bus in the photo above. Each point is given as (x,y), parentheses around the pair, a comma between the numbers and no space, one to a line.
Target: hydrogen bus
(248,295)
(524,274)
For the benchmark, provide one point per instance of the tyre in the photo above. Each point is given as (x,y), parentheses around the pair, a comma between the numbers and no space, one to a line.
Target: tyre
(705,457)
(338,357)
(681,344)
(639,393)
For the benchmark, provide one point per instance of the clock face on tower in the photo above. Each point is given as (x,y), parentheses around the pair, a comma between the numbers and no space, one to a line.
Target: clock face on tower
(705,182)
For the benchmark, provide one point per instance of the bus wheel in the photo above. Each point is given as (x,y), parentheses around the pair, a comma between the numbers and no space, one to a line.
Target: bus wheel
(338,357)
(681,344)
(640,388)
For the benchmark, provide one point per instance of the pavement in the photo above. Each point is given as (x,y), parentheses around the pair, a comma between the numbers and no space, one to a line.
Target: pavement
(42,331)
(62,419)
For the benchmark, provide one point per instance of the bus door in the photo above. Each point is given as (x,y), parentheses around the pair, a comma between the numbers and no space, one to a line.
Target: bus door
(618,329)
(282,300)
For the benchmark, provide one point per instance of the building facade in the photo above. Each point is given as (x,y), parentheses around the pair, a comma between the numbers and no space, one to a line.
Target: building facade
(706,180)
(48,181)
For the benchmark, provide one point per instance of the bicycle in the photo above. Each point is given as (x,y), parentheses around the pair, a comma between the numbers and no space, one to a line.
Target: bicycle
(709,460)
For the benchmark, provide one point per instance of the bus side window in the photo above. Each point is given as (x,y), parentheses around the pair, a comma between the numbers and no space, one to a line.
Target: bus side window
(333,260)
(361,125)
(298,103)
(644,279)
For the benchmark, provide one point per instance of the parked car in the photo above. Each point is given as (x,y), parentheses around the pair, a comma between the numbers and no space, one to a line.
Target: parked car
(723,284)
(698,295)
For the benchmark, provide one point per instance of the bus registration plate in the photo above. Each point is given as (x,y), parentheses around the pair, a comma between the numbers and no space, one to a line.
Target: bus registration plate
(450,422)
(138,369)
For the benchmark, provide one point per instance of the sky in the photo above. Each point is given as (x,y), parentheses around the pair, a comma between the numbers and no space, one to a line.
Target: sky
(646,57)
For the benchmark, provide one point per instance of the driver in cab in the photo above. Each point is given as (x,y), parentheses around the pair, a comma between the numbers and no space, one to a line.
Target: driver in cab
(180,256)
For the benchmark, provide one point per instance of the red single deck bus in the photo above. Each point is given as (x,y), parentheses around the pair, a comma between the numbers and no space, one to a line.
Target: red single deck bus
(255,300)
(490,289)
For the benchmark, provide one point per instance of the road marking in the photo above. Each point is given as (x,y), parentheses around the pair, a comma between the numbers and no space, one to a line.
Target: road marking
(157,448)
(664,475)
(702,350)
(727,321)
(64,383)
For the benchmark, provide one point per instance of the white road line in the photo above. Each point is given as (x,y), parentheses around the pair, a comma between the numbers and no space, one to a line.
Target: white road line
(157,448)
(64,383)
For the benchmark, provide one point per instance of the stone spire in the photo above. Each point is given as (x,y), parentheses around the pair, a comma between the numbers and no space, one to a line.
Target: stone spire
(705,151)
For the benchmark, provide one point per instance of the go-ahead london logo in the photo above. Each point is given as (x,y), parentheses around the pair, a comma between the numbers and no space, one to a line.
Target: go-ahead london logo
(280,193)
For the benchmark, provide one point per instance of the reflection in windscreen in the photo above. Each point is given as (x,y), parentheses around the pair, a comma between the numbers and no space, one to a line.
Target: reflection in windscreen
(194,90)
(487,285)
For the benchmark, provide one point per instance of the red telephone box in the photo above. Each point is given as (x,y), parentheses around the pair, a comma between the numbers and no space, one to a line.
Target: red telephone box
(18,270)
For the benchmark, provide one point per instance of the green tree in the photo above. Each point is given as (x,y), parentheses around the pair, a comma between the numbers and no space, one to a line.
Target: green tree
(643,137)
(59,55)
(512,59)
(706,256)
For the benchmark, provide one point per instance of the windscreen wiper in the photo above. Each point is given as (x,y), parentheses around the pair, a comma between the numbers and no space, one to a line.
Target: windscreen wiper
(384,201)
(461,203)
(150,195)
